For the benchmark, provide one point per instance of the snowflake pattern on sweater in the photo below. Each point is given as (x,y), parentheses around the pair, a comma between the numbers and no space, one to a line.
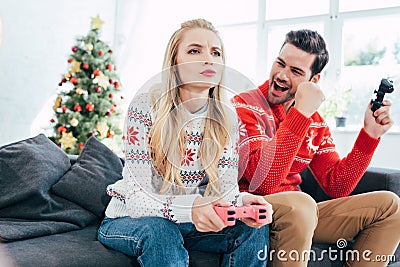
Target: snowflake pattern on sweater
(137,194)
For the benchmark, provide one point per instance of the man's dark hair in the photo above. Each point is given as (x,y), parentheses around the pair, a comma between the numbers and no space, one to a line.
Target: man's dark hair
(310,42)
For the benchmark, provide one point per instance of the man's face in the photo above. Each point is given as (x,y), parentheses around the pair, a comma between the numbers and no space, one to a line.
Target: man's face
(292,67)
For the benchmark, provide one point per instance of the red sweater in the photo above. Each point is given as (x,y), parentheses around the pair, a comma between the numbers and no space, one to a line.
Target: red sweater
(275,147)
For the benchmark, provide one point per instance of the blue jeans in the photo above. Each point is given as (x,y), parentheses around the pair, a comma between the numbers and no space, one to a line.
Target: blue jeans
(159,242)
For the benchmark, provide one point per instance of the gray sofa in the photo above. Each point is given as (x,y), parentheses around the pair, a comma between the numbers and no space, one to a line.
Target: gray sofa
(55,221)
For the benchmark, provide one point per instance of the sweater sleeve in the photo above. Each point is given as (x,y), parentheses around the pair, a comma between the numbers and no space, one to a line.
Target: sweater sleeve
(228,170)
(266,154)
(338,177)
(138,190)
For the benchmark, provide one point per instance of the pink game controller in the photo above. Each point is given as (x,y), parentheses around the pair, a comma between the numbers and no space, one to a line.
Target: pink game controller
(229,214)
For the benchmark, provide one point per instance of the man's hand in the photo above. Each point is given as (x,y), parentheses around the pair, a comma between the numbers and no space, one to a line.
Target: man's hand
(379,122)
(308,98)
(252,199)
(204,217)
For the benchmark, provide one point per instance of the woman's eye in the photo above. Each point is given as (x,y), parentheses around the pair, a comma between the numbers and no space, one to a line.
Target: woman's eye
(193,51)
(216,53)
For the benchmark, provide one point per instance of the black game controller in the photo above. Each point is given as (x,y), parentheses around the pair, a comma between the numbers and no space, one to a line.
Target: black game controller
(386,86)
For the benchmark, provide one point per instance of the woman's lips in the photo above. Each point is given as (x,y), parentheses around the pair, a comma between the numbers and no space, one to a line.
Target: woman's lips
(208,72)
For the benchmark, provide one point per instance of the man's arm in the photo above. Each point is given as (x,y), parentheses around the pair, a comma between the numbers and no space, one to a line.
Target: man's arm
(267,154)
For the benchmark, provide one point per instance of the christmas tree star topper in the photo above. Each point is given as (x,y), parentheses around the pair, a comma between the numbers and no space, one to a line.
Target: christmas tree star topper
(97,23)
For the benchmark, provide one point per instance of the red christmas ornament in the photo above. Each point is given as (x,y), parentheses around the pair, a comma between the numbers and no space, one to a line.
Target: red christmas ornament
(69,60)
(112,110)
(96,72)
(110,81)
(110,67)
(89,107)
(85,66)
(108,113)
(110,51)
(98,89)
(74,49)
(90,134)
(64,108)
(116,85)
(77,108)
(115,105)
(62,129)
(52,120)
(80,146)
(110,134)
(74,80)
(101,53)
(110,96)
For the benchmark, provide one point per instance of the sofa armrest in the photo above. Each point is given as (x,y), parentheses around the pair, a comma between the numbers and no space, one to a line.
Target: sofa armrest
(374,179)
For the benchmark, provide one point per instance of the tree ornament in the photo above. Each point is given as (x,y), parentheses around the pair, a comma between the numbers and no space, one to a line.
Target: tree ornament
(62,129)
(67,140)
(102,128)
(100,53)
(64,109)
(79,91)
(98,89)
(52,120)
(116,85)
(75,66)
(110,133)
(74,80)
(89,47)
(110,95)
(96,72)
(77,108)
(69,60)
(97,23)
(89,107)
(74,49)
(74,122)
(81,146)
(102,80)
(57,103)
(110,67)
(85,66)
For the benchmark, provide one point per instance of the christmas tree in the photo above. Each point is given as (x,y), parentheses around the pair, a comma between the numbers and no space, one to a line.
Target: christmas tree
(87,99)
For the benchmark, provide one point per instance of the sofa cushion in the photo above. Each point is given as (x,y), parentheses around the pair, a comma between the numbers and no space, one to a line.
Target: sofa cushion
(28,170)
(85,183)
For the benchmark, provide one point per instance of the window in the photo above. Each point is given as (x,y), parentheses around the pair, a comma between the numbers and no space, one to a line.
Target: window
(363,39)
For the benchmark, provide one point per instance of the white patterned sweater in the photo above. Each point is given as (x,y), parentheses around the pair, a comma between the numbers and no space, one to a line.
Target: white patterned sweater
(137,193)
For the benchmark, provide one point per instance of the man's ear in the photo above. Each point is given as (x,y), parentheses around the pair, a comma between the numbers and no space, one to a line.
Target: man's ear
(315,78)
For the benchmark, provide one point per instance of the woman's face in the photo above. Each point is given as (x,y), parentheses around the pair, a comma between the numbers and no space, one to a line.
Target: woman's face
(199,59)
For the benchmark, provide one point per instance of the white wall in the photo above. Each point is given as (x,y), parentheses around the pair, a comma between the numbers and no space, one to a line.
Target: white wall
(37,40)
(385,156)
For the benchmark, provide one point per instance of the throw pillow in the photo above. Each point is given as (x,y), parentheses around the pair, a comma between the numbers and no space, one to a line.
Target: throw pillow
(28,169)
(85,184)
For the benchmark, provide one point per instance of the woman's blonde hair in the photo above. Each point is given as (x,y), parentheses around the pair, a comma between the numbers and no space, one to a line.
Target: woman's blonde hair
(168,136)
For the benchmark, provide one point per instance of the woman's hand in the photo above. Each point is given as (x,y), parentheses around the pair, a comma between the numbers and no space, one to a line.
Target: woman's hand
(257,200)
(204,217)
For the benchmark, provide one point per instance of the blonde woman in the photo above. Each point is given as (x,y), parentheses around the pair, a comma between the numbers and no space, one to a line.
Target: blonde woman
(181,136)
